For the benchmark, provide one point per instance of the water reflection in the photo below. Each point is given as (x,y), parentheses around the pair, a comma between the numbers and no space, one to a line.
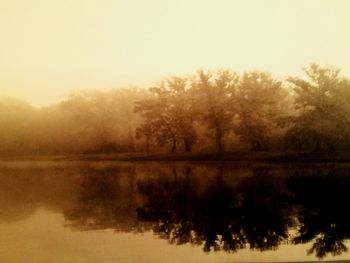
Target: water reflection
(106,199)
(221,216)
(219,209)
(214,206)
(323,196)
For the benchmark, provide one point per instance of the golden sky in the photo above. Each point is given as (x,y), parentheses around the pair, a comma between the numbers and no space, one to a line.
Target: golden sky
(50,47)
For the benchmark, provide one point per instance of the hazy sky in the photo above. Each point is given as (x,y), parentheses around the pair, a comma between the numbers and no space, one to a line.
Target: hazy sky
(49,47)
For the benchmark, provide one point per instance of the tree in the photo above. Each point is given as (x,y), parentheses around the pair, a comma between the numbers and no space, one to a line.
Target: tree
(215,102)
(106,119)
(323,104)
(168,114)
(262,102)
(182,102)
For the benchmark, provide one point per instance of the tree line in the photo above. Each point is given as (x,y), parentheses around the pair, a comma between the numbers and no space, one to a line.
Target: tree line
(208,111)
(259,111)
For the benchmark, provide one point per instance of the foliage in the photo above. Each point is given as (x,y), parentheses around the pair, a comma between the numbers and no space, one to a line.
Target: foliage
(200,112)
(215,102)
(168,114)
(262,103)
(323,104)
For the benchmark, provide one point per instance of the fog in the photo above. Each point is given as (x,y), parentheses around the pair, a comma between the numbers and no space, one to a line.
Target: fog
(208,111)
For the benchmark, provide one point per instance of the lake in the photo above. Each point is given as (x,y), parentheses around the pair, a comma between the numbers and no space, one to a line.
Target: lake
(173,212)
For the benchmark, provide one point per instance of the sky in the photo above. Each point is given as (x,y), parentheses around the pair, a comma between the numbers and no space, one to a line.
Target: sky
(48,48)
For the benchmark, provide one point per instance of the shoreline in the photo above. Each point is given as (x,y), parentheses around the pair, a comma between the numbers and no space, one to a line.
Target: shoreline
(272,157)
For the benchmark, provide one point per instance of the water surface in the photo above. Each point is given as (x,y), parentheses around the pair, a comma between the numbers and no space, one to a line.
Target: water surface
(163,212)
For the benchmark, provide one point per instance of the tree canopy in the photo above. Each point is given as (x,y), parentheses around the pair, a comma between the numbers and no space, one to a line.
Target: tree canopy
(209,111)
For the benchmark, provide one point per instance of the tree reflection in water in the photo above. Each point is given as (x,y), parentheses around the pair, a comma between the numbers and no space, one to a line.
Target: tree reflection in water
(324,198)
(106,199)
(221,208)
(222,216)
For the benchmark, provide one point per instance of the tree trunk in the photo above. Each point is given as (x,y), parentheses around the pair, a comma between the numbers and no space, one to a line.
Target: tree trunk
(188,146)
(218,140)
(173,148)
(147,143)
(256,146)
